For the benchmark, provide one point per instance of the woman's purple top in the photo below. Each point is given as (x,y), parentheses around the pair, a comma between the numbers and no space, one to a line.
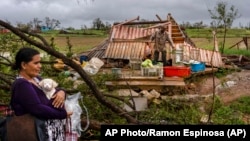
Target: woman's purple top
(28,98)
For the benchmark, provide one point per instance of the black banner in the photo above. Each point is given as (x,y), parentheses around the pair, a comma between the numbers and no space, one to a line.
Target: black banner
(163,132)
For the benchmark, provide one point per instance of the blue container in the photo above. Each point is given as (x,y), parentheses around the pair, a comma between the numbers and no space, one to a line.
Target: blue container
(83,58)
(198,67)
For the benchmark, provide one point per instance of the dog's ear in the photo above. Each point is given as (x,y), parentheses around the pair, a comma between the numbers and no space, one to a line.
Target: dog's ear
(41,83)
(54,84)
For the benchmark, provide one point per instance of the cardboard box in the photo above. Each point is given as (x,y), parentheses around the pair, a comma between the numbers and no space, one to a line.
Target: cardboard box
(179,71)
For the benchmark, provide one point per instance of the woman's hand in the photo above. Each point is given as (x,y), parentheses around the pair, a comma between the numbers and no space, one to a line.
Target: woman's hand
(69,113)
(59,99)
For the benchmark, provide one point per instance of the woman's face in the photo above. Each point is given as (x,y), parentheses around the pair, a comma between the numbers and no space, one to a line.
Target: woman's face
(32,68)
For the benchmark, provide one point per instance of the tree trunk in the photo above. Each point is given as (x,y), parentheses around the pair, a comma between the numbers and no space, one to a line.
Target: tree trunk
(224,39)
(43,45)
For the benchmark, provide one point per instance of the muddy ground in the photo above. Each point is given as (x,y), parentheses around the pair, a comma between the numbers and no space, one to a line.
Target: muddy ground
(229,88)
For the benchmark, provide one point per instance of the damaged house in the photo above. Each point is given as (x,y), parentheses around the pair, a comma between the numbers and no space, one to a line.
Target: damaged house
(127,39)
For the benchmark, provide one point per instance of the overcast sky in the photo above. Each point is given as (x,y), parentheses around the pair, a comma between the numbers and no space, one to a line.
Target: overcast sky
(76,13)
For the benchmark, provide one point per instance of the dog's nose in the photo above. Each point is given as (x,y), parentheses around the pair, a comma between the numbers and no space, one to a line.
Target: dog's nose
(47,86)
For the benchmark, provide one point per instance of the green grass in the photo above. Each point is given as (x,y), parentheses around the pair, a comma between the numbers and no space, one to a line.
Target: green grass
(203,38)
(79,43)
(237,52)
(242,105)
(89,32)
(207,33)
(85,40)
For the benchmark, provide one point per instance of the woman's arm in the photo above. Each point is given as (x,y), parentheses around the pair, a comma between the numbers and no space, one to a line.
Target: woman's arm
(27,99)
(59,98)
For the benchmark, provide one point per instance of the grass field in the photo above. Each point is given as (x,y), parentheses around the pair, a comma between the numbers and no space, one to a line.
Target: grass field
(208,43)
(201,37)
(79,43)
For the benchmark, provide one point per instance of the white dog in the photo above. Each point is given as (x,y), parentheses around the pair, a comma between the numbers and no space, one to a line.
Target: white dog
(48,86)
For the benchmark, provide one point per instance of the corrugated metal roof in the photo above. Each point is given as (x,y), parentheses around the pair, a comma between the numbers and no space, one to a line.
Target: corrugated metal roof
(128,41)
(133,49)
(130,33)
(202,55)
(125,50)
(98,51)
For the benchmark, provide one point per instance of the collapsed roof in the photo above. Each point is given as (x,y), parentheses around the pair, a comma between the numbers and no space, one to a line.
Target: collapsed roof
(127,40)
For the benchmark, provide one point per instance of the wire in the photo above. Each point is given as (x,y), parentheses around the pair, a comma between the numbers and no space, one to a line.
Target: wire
(87,115)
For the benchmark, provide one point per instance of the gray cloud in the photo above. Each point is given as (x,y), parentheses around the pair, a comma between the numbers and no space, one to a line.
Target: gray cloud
(75,13)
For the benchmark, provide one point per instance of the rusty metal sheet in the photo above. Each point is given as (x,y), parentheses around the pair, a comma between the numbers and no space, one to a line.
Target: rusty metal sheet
(125,32)
(123,44)
(203,55)
(125,50)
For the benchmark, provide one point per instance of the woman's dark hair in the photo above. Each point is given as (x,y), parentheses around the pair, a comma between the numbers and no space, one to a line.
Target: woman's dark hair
(25,54)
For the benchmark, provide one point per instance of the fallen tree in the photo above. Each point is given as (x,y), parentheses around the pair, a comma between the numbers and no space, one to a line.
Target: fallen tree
(44,45)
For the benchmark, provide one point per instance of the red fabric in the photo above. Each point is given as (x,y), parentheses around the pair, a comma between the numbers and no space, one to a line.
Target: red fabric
(5,110)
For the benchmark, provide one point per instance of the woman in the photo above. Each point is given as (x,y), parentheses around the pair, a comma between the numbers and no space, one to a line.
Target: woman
(28,98)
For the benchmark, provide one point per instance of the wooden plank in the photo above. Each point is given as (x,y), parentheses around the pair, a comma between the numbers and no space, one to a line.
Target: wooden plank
(144,83)
(207,71)
(156,78)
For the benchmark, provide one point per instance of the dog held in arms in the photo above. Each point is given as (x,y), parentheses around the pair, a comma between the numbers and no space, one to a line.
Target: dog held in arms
(48,86)
(71,103)
(53,125)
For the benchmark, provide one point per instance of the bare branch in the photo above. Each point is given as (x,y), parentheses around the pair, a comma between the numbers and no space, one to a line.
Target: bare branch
(98,95)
